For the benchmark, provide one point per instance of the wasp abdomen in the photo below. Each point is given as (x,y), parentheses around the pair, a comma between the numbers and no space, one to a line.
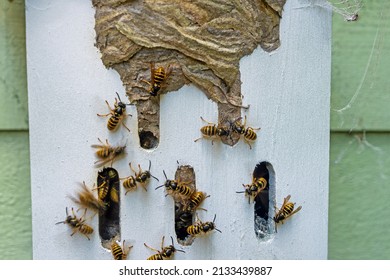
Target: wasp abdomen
(209,130)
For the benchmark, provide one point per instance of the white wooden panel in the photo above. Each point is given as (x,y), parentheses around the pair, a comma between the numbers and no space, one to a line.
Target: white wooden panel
(288,91)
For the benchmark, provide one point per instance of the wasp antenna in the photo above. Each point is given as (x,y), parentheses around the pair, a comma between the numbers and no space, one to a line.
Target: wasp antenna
(165,175)
(172,240)
(240,192)
(218,230)
(215,216)
(150,164)
(159,187)
(118,97)
(155,178)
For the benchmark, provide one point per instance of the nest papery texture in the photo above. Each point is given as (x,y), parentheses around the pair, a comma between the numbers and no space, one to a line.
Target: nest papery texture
(204,40)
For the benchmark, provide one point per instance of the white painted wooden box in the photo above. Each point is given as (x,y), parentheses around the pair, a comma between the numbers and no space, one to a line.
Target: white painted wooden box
(288,90)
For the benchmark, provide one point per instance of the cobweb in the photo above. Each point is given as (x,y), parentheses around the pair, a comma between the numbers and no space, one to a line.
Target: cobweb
(360,138)
(373,53)
(348,9)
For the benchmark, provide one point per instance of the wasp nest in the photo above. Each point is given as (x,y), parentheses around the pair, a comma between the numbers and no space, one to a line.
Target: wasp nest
(203,41)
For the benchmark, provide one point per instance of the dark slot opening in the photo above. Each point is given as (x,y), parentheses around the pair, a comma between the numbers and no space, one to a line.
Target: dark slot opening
(183,218)
(148,140)
(264,201)
(109,227)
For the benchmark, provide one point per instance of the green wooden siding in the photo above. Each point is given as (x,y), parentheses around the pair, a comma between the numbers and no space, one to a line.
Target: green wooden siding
(360,68)
(13,82)
(359,194)
(359,163)
(360,135)
(15,191)
(15,196)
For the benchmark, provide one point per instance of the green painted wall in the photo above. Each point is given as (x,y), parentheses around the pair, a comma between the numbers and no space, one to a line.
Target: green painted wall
(360,136)
(15,192)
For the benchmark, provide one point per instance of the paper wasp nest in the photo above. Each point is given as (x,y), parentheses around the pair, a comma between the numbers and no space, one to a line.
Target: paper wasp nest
(202,40)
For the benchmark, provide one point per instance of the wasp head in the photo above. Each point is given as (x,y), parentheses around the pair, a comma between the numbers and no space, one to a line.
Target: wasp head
(155,89)
(222,131)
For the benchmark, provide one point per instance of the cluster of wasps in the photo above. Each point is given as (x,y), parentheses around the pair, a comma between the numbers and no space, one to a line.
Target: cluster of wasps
(213,131)
(108,180)
(259,184)
(189,201)
(159,77)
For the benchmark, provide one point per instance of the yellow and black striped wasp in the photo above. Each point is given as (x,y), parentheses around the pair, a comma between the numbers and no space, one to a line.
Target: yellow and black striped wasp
(211,130)
(202,228)
(77,224)
(141,177)
(106,153)
(286,211)
(177,189)
(158,78)
(248,132)
(253,189)
(118,114)
(166,253)
(85,198)
(119,252)
(194,201)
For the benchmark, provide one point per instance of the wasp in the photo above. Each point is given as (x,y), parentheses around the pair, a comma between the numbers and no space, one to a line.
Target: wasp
(248,132)
(201,228)
(107,179)
(286,211)
(117,114)
(194,201)
(212,130)
(77,224)
(118,252)
(86,199)
(178,190)
(166,252)
(106,152)
(252,190)
(158,78)
(142,177)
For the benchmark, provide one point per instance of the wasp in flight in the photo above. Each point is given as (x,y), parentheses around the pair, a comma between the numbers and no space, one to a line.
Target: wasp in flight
(248,132)
(106,152)
(118,114)
(286,211)
(252,190)
(211,130)
(166,253)
(77,224)
(119,252)
(178,190)
(202,228)
(158,78)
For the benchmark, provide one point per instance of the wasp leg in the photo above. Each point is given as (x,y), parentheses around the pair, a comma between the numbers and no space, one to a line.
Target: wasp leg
(125,125)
